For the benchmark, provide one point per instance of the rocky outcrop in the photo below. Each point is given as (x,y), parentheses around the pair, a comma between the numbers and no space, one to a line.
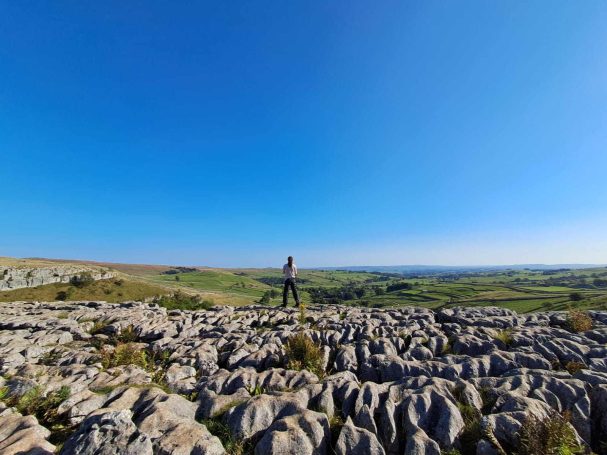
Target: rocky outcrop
(12,277)
(142,379)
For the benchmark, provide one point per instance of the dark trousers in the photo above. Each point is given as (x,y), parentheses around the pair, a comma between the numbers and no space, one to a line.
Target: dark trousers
(290,282)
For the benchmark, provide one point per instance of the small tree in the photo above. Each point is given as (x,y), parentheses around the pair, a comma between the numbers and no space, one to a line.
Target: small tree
(265,298)
(575,296)
(82,280)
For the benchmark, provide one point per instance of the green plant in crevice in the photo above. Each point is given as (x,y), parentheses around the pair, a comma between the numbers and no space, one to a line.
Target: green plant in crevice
(304,354)
(552,435)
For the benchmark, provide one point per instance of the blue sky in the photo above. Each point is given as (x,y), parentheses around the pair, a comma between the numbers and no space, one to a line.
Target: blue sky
(343,133)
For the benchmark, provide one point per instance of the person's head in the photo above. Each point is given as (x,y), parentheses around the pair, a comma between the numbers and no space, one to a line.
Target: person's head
(290,261)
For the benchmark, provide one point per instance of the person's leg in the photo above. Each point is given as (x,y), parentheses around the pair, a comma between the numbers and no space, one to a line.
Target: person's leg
(285,293)
(295,294)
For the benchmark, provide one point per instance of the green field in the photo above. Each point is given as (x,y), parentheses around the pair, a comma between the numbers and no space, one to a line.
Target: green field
(520,290)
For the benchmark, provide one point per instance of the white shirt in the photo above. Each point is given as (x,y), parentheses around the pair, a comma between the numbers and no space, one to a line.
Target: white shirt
(289,272)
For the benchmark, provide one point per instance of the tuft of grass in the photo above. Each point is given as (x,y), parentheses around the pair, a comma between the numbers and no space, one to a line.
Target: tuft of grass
(3,393)
(104,390)
(505,336)
(125,354)
(232,446)
(98,327)
(304,354)
(50,358)
(63,315)
(578,321)
(335,425)
(551,435)
(447,348)
(471,432)
(128,334)
(255,391)
(573,367)
(302,313)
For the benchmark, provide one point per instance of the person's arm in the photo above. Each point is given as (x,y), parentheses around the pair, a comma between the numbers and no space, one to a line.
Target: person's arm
(294,270)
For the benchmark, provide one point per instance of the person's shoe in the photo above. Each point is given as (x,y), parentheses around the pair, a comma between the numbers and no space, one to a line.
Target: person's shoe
(284,305)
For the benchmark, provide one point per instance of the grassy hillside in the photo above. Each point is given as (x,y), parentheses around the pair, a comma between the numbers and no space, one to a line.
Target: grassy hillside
(115,290)
(521,290)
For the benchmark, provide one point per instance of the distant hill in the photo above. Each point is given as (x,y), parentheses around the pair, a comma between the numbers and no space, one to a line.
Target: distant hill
(425,269)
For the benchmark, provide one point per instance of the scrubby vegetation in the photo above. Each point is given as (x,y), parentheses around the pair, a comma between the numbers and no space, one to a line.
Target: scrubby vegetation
(82,280)
(552,435)
(304,354)
(124,354)
(182,301)
(44,407)
(579,321)
(573,367)
(232,446)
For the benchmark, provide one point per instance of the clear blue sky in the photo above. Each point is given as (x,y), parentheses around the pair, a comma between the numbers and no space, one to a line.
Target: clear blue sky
(342,132)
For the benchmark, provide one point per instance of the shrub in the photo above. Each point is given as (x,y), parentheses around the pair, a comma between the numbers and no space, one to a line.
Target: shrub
(124,354)
(551,436)
(399,286)
(181,301)
(82,280)
(579,321)
(265,298)
(304,354)
(575,296)
(61,295)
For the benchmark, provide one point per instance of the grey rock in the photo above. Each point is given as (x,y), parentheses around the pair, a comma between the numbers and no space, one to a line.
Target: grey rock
(108,432)
(357,441)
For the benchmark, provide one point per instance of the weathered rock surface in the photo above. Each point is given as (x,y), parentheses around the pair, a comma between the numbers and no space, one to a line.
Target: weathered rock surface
(397,381)
(16,277)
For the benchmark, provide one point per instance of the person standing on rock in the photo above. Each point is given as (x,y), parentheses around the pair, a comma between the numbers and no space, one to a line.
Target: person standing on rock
(289,270)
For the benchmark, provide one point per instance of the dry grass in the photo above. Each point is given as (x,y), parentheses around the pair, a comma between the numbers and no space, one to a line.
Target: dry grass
(579,321)
(505,336)
(573,367)
(107,290)
(304,354)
